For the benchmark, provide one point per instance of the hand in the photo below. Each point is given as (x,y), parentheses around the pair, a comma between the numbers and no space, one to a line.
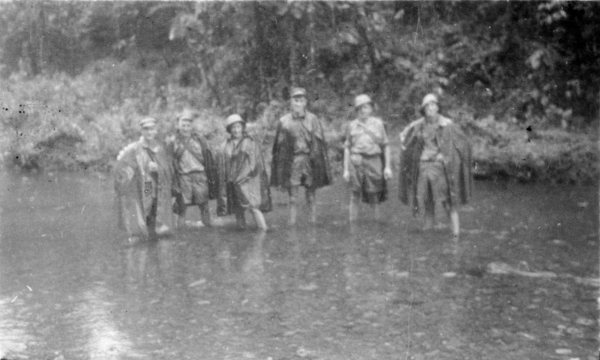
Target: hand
(346,176)
(440,157)
(152,166)
(387,173)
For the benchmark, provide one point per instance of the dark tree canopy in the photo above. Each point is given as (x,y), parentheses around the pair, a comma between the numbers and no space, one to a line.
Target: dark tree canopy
(520,58)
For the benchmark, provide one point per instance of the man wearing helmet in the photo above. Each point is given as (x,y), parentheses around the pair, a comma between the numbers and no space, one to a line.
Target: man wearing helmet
(195,170)
(143,175)
(435,165)
(367,164)
(300,154)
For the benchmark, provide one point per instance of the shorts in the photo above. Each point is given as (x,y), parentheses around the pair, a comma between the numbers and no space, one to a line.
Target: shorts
(301,173)
(366,173)
(432,187)
(194,188)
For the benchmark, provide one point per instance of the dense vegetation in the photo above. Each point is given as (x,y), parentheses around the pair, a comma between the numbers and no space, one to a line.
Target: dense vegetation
(521,77)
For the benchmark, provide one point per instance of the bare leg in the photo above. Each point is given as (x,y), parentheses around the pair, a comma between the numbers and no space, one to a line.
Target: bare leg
(292,205)
(429,205)
(259,219)
(428,220)
(312,205)
(376,211)
(240,218)
(205,214)
(455,222)
(353,208)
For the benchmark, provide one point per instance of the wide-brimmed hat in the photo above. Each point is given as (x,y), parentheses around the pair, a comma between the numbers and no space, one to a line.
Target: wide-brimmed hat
(147,122)
(298,91)
(361,100)
(232,119)
(429,98)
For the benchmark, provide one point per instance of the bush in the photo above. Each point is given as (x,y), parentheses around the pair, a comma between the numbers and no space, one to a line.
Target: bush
(552,155)
(59,122)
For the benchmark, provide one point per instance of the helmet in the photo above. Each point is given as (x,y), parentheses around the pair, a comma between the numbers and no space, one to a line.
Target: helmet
(147,122)
(298,91)
(187,114)
(429,98)
(232,119)
(362,99)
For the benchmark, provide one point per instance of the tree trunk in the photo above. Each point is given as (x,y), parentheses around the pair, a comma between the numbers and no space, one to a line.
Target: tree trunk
(261,86)
(32,44)
(374,76)
(293,51)
(41,38)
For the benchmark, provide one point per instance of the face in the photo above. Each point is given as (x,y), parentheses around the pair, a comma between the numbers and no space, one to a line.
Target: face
(185,127)
(431,109)
(298,105)
(364,111)
(236,130)
(149,133)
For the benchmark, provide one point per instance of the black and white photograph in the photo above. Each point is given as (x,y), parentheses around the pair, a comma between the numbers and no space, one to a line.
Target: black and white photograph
(299,180)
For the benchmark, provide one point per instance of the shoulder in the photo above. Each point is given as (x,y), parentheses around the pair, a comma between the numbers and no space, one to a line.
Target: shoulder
(352,124)
(313,118)
(199,137)
(377,121)
(285,119)
(129,149)
(249,143)
(224,145)
(444,121)
(414,124)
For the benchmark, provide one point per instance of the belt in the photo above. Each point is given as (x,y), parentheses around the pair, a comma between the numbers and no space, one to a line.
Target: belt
(365,155)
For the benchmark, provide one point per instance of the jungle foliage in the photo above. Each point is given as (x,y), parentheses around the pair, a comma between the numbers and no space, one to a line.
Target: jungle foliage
(78,68)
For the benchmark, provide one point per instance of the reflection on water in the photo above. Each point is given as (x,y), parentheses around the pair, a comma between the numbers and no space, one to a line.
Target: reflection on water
(13,331)
(70,287)
(104,339)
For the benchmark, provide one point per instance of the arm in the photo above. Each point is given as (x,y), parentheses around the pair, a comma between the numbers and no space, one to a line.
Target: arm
(404,134)
(387,157)
(346,162)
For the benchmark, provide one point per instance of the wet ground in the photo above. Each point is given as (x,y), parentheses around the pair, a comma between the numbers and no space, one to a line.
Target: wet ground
(520,283)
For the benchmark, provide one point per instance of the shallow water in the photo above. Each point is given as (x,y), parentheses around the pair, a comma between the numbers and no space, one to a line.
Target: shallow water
(71,287)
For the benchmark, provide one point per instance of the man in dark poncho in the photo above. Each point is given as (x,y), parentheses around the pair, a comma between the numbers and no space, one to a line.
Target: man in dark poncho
(195,170)
(143,175)
(300,154)
(435,165)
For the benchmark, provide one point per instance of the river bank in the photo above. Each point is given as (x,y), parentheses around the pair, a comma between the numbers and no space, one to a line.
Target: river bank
(81,123)
(500,152)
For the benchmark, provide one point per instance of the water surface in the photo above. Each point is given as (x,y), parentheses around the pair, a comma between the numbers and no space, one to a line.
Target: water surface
(71,287)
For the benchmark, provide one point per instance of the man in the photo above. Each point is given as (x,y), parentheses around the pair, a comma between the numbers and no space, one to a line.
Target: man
(143,176)
(195,172)
(367,164)
(435,165)
(300,155)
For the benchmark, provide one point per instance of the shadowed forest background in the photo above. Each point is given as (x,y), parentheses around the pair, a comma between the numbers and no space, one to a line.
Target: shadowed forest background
(520,77)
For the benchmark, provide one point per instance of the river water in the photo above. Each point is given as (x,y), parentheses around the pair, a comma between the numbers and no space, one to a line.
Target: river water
(520,283)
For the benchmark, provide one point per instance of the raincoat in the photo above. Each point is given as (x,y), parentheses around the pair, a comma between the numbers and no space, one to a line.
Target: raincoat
(177,145)
(456,150)
(284,147)
(143,198)
(243,180)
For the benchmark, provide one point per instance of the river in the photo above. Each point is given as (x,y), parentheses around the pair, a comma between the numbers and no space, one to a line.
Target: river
(520,283)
